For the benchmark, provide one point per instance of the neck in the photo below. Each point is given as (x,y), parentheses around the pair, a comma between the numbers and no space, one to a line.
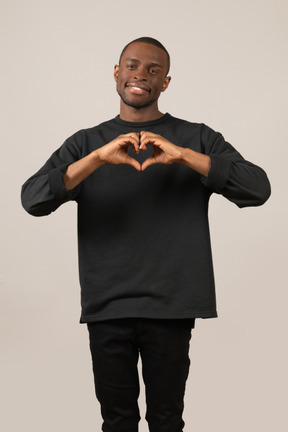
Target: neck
(132,114)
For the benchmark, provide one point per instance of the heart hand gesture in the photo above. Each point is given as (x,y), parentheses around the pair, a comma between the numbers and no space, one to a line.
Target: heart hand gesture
(116,152)
(164,151)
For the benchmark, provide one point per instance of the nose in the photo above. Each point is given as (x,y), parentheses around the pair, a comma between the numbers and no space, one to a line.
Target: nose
(140,74)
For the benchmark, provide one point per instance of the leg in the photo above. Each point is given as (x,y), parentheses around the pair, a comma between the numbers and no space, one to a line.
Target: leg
(164,351)
(115,356)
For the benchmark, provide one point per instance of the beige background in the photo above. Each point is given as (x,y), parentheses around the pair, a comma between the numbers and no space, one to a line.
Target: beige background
(229,70)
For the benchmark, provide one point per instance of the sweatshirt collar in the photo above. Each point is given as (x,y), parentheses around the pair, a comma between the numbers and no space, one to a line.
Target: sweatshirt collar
(162,119)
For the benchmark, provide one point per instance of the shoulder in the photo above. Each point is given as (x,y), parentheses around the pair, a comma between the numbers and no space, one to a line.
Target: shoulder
(187,126)
(90,131)
(84,138)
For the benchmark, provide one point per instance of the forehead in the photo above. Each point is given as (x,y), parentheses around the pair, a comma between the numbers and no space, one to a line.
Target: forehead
(145,53)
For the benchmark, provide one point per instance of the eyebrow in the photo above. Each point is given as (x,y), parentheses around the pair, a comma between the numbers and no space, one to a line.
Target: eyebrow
(138,61)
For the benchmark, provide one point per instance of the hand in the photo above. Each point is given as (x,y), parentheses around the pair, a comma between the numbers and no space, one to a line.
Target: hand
(164,151)
(116,152)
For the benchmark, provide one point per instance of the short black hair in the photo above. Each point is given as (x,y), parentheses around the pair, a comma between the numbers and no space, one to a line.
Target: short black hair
(150,41)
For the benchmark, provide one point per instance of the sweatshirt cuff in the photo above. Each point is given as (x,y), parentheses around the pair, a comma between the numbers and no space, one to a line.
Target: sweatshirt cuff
(57,185)
(218,173)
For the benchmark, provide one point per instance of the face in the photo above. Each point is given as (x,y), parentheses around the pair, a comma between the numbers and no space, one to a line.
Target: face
(141,75)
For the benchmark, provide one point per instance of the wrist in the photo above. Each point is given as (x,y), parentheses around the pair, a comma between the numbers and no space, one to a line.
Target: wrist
(197,161)
(96,158)
(186,155)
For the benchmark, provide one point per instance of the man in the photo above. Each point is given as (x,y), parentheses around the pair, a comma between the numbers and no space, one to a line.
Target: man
(142,182)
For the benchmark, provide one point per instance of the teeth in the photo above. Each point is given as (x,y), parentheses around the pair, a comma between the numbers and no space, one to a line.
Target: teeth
(137,88)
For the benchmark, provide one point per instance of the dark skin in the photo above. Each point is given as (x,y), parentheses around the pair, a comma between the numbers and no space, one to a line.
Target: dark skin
(140,78)
(144,66)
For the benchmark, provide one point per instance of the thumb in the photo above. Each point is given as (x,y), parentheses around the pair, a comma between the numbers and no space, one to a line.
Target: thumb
(133,162)
(150,161)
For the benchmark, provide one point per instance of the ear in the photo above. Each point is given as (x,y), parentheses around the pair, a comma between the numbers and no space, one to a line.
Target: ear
(116,72)
(166,83)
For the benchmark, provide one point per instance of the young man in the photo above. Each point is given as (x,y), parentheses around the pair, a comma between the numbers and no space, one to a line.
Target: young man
(142,182)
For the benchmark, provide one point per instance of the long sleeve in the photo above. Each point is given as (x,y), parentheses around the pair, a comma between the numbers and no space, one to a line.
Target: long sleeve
(45,191)
(237,179)
(128,217)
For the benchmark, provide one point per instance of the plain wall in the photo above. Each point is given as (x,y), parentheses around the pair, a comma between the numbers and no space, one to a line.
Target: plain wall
(229,70)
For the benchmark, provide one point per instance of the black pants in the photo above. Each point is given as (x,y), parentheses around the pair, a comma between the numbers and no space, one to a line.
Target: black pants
(164,348)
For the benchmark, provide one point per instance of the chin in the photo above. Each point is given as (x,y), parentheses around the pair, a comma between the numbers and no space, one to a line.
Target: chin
(136,105)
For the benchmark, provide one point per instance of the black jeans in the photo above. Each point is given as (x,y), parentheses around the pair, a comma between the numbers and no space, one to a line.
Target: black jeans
(164,348)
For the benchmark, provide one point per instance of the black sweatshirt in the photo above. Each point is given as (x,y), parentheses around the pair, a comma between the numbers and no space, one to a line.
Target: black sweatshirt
(144,243)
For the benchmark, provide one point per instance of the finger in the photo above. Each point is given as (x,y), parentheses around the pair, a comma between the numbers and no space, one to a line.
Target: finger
(137,148)
(144,134)
(135,135)
(148,138)
(144,140)
(134,146)
(132,138)
(132,134)
(129,140)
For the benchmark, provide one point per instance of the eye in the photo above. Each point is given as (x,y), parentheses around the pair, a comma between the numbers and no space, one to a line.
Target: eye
(153,71)
(131,66)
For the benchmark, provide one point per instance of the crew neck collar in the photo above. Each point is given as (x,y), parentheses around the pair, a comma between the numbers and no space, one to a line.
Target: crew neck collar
(162,119)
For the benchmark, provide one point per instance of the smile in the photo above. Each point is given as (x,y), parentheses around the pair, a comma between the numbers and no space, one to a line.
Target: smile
(137,88)
(134,89)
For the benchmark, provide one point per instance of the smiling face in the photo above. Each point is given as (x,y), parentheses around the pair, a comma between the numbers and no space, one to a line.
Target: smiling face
(141,76)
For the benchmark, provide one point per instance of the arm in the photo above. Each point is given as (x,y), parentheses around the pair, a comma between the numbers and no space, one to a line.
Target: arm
(114,153)
(197,161)
(165,152)
(232,176)
(45,191)
(59,180)
(222,168)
